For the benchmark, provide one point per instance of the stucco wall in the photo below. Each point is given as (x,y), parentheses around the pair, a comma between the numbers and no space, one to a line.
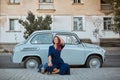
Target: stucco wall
(63,15)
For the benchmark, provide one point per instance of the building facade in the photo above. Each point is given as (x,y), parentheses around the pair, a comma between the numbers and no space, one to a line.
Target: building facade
(87,18)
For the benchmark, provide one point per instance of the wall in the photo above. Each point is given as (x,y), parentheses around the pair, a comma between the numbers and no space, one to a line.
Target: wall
(63,15)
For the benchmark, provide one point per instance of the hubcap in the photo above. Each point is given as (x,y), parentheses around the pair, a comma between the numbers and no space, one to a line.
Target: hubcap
(32,64)
(94,63)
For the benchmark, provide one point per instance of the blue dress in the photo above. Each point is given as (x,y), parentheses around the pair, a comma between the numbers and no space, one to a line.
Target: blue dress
(57,61)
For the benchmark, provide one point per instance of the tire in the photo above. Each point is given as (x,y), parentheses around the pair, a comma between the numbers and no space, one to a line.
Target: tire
(94,62)
(31,63)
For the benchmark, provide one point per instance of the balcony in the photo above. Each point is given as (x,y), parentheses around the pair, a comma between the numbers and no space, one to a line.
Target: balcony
(46,7)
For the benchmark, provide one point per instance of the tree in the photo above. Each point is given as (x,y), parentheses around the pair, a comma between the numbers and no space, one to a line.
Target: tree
(116,12)
(97,23)
(32,24)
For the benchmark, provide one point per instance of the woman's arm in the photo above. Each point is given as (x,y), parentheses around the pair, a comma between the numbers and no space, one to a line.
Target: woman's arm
(49,57)
(62,42)
(49,61)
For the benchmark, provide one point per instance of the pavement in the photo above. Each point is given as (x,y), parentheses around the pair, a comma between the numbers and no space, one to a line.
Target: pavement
(76,73)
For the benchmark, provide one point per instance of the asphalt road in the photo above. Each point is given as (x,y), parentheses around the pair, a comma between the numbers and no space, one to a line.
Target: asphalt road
(112,60)
(5,61)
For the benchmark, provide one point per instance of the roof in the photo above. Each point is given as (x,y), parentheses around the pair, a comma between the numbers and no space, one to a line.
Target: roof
(53,31)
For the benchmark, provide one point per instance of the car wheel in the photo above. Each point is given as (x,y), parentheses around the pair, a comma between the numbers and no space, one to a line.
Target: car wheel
(94,62)
(31,63)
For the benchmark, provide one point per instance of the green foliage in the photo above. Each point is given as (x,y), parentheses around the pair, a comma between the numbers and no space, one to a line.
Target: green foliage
(32,24)
(116,9)
(116,12)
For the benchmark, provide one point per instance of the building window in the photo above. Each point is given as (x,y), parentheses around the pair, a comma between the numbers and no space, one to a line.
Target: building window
(14,1)
(77,23)
(46,1)
(14,25)
(76,1)
(46,6)
(104,2)
(106,5)
(107,23)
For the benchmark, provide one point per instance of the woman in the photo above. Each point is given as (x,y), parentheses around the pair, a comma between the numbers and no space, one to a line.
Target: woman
(56,64)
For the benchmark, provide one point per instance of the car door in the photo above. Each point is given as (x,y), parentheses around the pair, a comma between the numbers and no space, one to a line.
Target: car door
(42,41)
(73,52)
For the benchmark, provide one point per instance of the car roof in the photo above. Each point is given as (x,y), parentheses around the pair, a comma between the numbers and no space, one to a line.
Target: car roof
(53,31)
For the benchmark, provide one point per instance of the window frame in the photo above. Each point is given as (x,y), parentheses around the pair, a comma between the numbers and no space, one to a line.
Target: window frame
(40,34)
(12,27)
(77,2)
(78,42)
(45,1)
(106,27)
(14,2)
(77,25)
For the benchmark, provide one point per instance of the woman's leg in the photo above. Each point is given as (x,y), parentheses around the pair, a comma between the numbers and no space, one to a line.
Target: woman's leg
(55,71)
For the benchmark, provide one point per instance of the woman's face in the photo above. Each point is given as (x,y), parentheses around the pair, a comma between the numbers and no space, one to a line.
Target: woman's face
(56,40)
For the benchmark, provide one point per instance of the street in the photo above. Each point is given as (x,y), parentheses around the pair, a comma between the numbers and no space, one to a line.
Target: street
(109,71)
(5,61)
(112,60)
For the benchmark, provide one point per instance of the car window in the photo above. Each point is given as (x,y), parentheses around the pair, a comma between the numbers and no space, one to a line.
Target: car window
(69,39)
(45,38)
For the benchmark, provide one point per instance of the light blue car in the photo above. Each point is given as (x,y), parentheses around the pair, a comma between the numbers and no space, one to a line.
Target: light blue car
(34,51)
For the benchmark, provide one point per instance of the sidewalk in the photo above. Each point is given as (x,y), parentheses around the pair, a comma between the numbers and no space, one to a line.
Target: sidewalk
(112,50)
(76,74)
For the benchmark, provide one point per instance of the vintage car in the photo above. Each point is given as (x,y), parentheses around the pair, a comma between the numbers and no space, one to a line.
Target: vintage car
(34,51)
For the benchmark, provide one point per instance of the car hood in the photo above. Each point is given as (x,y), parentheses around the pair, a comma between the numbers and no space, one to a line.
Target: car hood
(21,43)
(95,47)
(91,45)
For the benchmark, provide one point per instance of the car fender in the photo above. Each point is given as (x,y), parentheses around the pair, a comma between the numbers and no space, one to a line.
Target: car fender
(42,58)
(94,53)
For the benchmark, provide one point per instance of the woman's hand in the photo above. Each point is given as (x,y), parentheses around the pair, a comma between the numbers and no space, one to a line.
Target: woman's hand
(62,41)
(49,59)
(49,64)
